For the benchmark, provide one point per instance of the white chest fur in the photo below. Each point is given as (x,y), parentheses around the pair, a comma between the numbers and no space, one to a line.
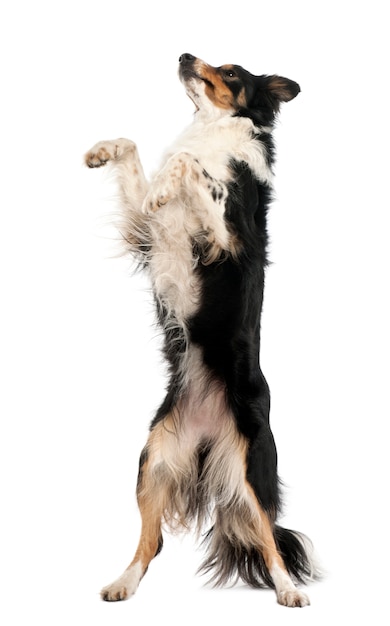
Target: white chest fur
(215,142)
(196,162)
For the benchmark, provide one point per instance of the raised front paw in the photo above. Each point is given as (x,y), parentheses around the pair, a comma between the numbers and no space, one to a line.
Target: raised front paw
(166,185)
(156,198)
(105,151)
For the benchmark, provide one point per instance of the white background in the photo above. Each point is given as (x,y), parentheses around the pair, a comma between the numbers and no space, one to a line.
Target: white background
(81,369)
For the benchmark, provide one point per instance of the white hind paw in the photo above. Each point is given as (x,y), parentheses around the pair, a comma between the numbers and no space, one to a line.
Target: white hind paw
(114,593)
(293,598)
(125,586)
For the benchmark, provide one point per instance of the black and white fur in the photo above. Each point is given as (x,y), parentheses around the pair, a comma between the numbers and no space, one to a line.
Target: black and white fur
(199,230)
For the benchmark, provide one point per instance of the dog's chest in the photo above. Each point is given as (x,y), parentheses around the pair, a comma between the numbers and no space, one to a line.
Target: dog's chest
(193,212)
(214,144)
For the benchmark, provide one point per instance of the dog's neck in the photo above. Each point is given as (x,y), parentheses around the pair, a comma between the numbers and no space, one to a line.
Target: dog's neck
(206,111)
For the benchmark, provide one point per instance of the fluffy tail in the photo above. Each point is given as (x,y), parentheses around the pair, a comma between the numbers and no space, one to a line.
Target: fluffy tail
(297,553)
(228,560)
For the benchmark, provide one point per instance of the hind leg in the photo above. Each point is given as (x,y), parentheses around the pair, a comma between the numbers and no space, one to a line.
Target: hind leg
(150,543)
(286,592)
(263,490)
(165,474)
(242,542)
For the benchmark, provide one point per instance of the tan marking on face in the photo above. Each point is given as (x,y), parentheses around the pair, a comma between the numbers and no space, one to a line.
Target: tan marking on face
(217,92)
(241,98)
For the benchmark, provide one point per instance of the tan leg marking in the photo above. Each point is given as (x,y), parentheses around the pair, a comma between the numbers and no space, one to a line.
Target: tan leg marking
(151,514)
(286,592)
(156,495)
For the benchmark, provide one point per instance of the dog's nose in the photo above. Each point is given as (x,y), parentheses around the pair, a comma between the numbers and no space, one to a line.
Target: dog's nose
(186,58)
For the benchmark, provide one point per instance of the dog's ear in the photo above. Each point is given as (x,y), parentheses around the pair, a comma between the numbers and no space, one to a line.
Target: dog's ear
(281,89)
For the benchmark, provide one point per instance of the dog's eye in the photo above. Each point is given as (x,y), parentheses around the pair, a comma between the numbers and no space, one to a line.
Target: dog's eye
(230,74)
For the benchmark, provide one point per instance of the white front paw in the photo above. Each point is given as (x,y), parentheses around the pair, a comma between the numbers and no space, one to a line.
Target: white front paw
(105,151)
(153,203)
(159,194)
(167,184)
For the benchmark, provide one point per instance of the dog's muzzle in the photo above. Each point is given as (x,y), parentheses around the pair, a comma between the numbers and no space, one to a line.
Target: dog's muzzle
(187,67)
(186,58)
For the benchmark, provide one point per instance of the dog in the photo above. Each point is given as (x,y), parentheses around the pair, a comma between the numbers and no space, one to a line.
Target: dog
(199,229)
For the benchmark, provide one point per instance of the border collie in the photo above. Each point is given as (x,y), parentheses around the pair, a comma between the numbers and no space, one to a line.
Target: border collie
(199,229)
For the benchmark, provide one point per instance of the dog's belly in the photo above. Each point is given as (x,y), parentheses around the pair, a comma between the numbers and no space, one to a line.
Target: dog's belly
(203,418)
(201,414)
(200,456)
(196,449)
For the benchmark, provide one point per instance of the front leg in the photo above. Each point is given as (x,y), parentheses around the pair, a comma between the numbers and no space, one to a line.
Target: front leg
(184,178)
(183,173)
(167,184)
(122,155)
(111,150)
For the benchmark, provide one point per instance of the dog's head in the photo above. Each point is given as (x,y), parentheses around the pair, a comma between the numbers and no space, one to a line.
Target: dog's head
(229,89)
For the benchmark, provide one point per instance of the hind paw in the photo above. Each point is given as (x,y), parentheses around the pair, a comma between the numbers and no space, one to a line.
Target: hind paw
(293,598)
(114,593)
(125,586)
